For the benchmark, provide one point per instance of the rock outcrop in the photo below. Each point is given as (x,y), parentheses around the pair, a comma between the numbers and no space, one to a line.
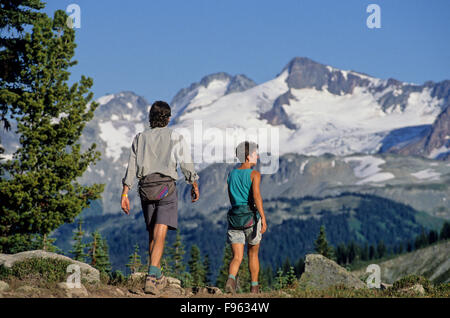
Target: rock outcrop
(4,286)
(431,262)
(89,273)
(73,292)
(322,273)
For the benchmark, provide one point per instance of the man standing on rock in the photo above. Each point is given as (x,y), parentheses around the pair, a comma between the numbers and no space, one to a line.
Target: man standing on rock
(154,156)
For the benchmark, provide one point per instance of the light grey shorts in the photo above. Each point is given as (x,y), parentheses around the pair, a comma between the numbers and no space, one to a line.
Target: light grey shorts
(251,235)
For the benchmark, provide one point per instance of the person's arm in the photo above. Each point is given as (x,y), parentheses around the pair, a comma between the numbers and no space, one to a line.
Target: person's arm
(183,157)
(195,193)
(130,174)
(125,203)
(256,180)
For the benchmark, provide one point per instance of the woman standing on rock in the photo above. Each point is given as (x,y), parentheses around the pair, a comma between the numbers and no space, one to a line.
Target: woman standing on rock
(154,155)
(246,218)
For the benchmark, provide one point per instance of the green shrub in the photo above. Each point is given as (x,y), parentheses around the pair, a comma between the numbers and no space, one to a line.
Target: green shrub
(104,277)
(4,272)
(117,278)
(442,290)
(47,269)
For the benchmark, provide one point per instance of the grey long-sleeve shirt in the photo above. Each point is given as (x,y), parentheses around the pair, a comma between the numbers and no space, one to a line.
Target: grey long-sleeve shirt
(159,149)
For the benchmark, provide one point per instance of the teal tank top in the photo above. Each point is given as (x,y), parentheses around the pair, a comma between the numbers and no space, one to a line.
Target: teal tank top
(239,185)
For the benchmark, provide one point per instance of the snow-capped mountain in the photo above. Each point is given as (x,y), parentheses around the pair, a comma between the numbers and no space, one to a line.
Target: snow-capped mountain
(209,89)
(317,108)
(320,109)
(117,119)
(435,142)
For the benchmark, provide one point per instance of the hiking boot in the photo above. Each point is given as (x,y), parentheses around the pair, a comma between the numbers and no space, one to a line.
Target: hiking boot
(154,285)
(230,286)
(150,285)
(254,289)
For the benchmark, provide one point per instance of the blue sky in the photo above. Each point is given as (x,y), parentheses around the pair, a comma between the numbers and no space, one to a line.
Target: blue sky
(155,48)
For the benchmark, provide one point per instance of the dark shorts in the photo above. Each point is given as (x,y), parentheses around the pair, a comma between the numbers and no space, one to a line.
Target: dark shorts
(164,211)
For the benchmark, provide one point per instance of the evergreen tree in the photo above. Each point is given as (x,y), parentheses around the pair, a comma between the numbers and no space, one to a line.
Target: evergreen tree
(299,267)
(186,280)
(352,252)
(15,17)
(365,252)
(94,248)
(243,278)
(409,247)
(103,263)
(381,249)
(134,260)
(445,231)
(196,269)
(146,266)
(281,279)
(286,265)
(166,267)
(421,240)
(207,270)
(78,249)
(341,254)
(41,192)
(372,252)
(98,253)
(321,245)
(223,272)
(265,277)
(270,276)
(433,237)
(175,256)
(291,279)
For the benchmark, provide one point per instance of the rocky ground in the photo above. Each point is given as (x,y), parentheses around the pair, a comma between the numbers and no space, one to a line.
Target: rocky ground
(40,274)
(26,289)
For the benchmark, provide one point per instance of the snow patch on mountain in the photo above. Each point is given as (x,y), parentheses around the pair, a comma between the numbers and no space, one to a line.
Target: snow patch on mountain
(105,99)
(117,137)
(368,169)
(427,174)
(437,152)
(303,165)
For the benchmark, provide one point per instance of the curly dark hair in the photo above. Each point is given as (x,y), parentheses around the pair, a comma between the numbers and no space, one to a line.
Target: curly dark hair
(159,114)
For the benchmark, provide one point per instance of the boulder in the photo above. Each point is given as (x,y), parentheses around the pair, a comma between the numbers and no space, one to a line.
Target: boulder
(173,281)
(3,286)
(89,273)
(172,291)
(72,292)
(322,273)
(138,276)
(119,292)
(416,289)
(173,288)
(214,290)
(26,289)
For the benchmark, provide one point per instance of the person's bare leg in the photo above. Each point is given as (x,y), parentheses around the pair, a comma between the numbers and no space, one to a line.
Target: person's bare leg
(156,246)
(253,261)
(157,239)
(151,243)
(238,255)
